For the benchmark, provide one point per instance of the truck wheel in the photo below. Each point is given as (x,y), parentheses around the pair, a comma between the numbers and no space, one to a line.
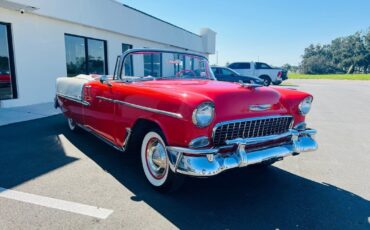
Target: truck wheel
(155,163)
(72,125)
(266,80)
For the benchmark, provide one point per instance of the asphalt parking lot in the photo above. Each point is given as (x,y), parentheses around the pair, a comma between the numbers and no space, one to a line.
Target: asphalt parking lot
(327,189)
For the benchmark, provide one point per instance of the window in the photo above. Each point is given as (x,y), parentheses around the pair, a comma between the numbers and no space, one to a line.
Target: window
(260,65)
(227,72)
(128,69)
(8,88)
(126,47)
(85,55)
(152,64)
(240,65)
(215,70)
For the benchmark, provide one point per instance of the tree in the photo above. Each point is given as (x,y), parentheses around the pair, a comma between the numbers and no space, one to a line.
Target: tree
(343,55)
(367,48)
(317,59)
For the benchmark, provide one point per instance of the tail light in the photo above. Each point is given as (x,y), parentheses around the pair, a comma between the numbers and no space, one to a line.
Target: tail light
(279,73)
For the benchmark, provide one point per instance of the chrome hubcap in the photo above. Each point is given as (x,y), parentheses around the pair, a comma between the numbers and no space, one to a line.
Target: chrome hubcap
(156,158)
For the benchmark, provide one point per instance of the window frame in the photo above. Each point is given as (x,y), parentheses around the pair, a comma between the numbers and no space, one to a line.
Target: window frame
(86,69)
(11,61)
(132,61)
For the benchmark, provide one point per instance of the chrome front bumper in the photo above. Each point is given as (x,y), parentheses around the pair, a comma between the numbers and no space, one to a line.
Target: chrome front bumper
(210,162)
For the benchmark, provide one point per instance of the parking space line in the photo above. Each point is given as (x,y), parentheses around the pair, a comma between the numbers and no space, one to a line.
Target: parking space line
(68,206)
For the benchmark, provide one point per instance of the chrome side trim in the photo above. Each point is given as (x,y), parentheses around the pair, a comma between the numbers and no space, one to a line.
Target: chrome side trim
(171,114)
(105,140)
(243,120)
(105,98)
(85,103)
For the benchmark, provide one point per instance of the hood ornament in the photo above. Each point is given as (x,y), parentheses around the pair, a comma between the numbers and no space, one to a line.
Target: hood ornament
(262,107)
(249,85)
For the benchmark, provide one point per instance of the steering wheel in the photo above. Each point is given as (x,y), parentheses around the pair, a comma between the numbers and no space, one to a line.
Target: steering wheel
(186,72)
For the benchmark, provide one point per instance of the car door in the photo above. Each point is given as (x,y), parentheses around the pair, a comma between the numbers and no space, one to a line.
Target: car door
(247,69)
(99,115)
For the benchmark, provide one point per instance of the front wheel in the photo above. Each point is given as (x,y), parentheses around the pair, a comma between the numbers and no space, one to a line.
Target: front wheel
(155,163)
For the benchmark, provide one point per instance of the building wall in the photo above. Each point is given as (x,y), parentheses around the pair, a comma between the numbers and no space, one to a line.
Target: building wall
(39,46)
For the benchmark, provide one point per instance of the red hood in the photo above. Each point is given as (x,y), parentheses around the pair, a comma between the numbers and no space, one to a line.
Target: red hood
(231,100)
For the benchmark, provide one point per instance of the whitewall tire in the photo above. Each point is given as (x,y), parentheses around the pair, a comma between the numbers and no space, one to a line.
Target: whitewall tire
(155,162)
(72,124)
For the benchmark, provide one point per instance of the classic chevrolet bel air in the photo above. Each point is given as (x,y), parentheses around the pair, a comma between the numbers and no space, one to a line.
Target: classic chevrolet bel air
(168,107)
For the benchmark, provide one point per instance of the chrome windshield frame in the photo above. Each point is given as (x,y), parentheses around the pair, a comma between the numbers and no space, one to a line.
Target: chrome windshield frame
(118,75)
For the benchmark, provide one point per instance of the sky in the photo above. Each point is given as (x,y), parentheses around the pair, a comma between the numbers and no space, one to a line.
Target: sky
(271,31)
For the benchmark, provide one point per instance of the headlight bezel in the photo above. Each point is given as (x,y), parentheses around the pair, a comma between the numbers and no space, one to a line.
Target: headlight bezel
(305,105)
(195,119)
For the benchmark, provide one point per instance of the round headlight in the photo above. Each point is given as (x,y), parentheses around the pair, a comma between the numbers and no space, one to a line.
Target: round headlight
(305,105)
(203,114)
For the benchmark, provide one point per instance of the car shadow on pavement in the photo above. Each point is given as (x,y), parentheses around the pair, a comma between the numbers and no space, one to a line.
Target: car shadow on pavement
(30,149)
(239,199)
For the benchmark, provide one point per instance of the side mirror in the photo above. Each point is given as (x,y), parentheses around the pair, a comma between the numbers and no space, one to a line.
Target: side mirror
(104,80)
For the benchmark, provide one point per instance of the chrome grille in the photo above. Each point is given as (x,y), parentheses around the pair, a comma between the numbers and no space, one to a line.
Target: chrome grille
(254,127)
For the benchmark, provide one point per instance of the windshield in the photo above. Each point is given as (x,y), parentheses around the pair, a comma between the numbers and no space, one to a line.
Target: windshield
(165,64)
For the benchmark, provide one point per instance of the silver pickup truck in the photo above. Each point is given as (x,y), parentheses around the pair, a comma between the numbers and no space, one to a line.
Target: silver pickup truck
(261,70)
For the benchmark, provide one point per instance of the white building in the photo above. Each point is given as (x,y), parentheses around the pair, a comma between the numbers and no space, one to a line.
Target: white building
(41,40)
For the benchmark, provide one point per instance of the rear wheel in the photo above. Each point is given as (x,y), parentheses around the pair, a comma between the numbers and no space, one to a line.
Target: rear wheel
(266,80)
(155,163)
(72,124)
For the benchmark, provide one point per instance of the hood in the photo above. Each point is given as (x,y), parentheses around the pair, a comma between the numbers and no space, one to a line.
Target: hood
(232,101)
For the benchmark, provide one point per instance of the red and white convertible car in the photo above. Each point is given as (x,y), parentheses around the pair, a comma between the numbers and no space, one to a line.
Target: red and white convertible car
(169,107)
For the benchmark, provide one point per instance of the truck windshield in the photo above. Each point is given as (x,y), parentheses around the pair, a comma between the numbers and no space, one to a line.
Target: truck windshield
(163,65)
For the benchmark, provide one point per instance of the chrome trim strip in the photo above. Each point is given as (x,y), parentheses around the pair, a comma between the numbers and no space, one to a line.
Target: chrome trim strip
(105,140)
(192,151)
(256,140)
(85,103)
(171,114)
(105,98)
(243,120)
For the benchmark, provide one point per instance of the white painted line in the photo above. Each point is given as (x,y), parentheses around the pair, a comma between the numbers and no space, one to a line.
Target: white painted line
(68,206)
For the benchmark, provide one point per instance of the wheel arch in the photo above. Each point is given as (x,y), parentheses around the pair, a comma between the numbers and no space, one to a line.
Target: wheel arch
(139,129)
(265,75)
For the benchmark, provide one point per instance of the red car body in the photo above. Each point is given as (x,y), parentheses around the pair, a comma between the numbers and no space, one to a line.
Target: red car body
(113,109)
(179,97)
